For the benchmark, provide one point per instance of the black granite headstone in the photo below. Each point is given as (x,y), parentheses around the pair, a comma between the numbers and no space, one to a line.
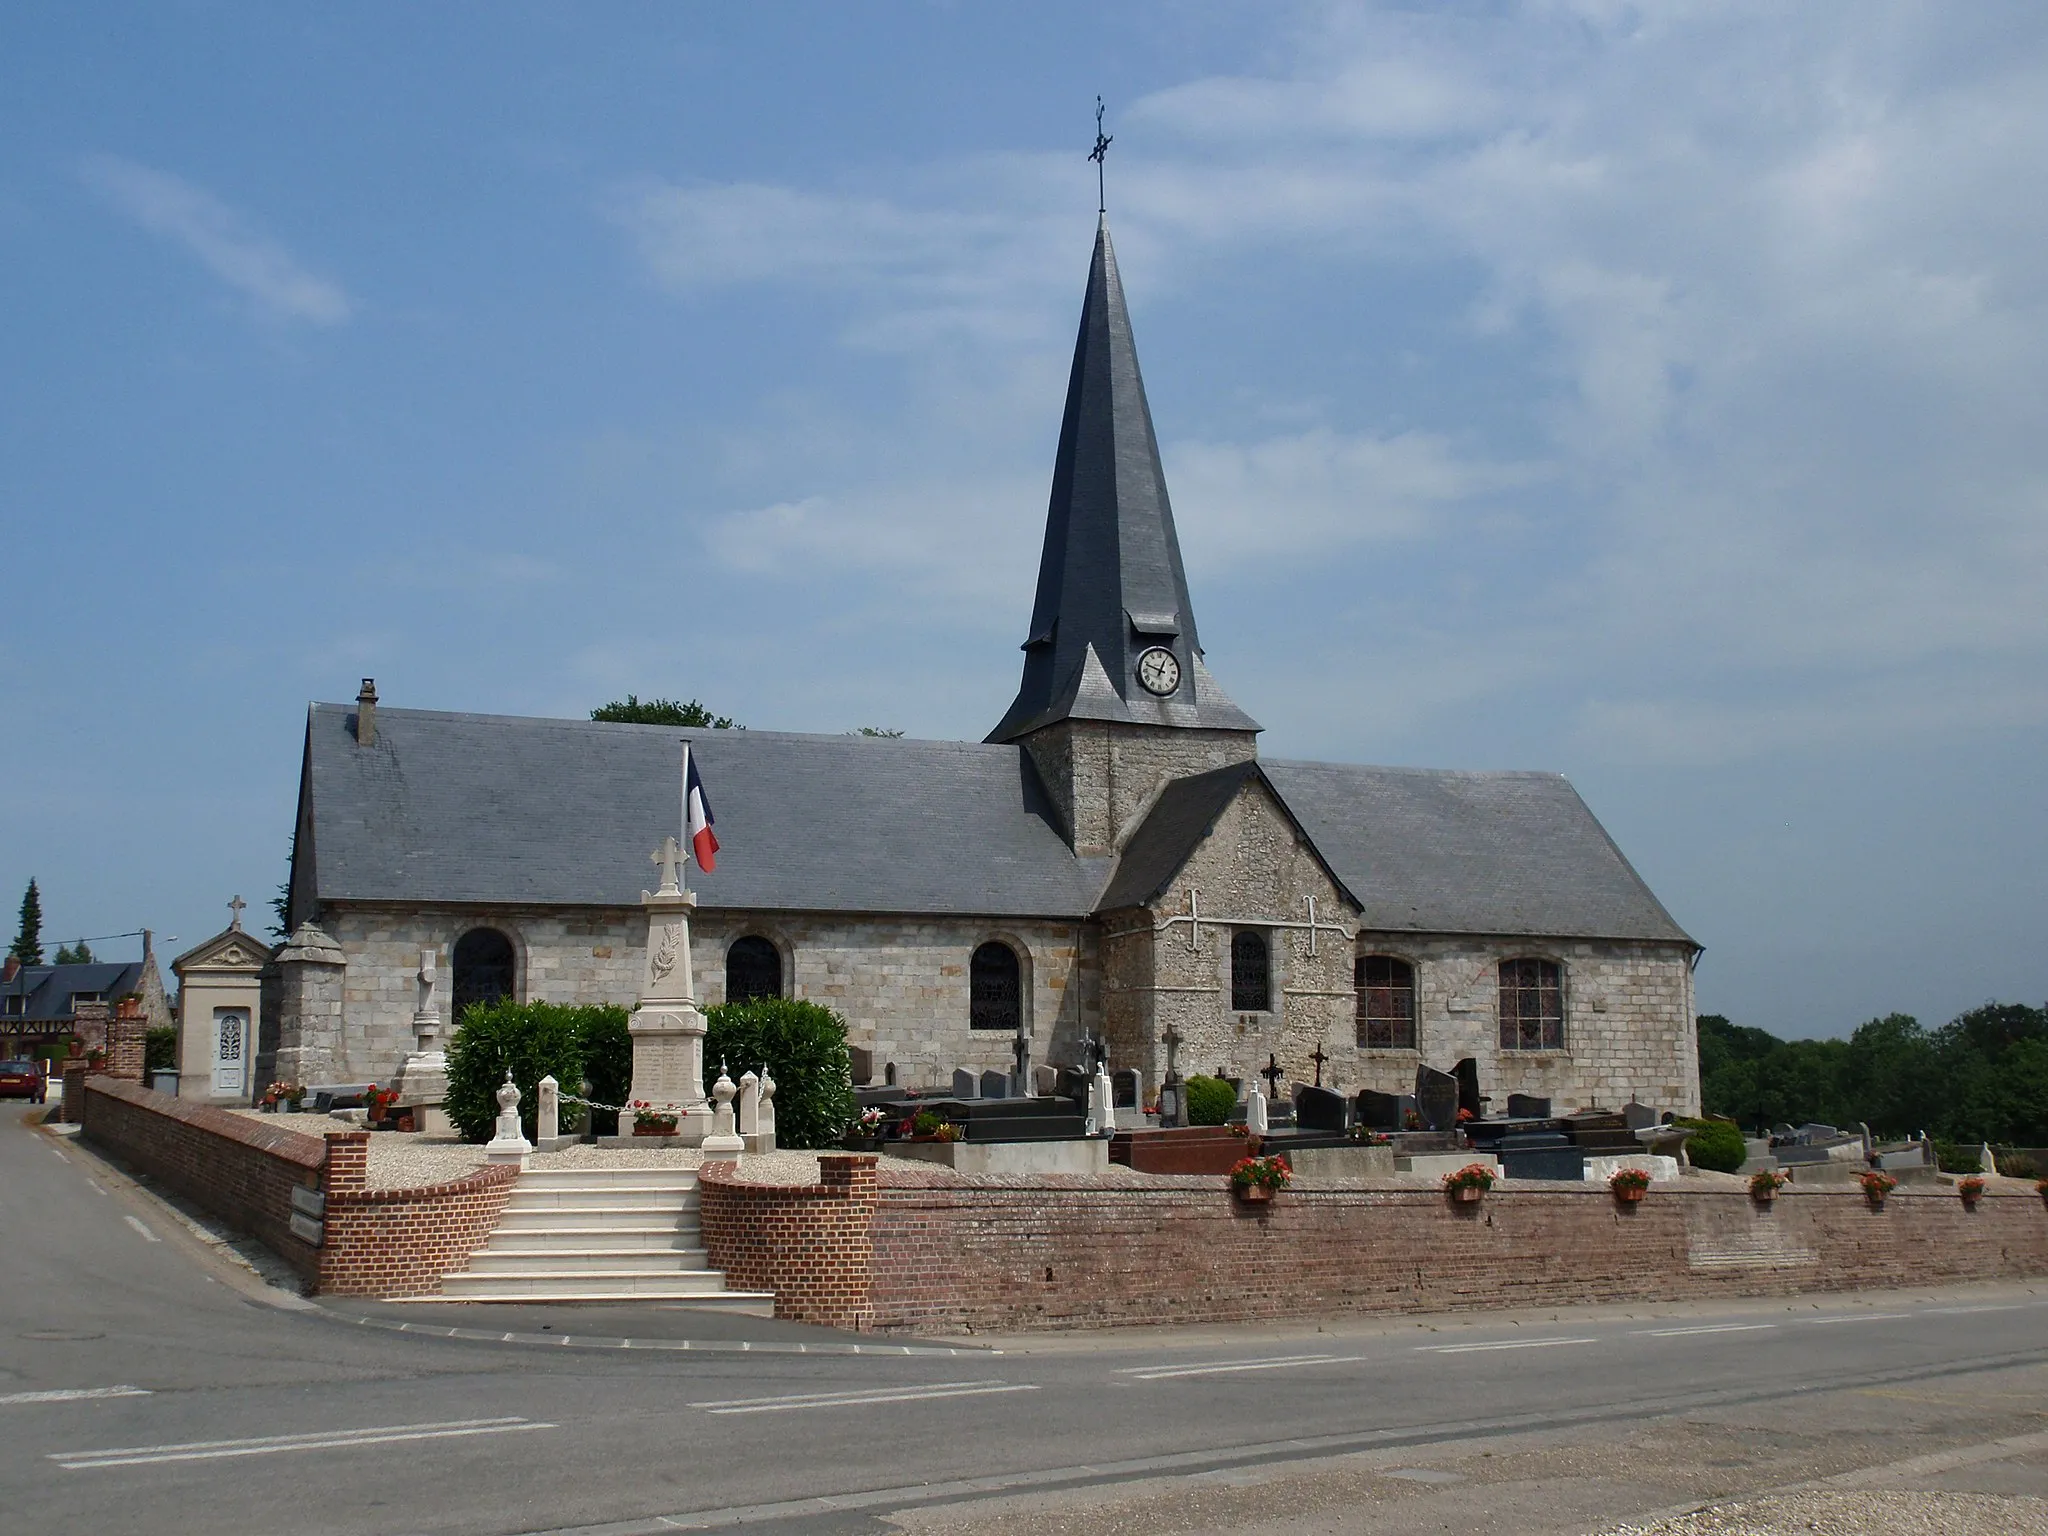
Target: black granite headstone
(1123,1088)
(1319,1109)
(995,1085)
(1436,1097)
(1528,1106)
(1469,1097)
(1379,1111)
(863,1061)
(889,1075)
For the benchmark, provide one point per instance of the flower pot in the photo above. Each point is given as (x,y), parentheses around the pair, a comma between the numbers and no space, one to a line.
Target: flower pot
(1253,1194)
(1763,1196)
(1628,1194)
(1467,1194)
(1876,1200)
(655,1130)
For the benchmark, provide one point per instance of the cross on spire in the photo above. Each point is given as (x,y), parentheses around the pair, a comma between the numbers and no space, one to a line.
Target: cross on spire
(1099,154)
(236,907)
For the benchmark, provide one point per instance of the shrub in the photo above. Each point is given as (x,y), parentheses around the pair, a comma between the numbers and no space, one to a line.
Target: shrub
(533,1040)
(1954,1157)
(160,1049)
(1716,1145)
(804,1048)
(1210,1100)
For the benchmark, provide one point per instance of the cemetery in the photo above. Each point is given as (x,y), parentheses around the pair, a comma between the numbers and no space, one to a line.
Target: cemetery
(1056,1194)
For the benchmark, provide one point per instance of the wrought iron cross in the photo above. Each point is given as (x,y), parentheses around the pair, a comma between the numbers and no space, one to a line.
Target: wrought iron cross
(1318,1057)
(1272,1072)
(1098,154)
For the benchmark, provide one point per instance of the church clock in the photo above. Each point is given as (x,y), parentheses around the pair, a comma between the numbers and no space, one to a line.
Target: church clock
(1159,670)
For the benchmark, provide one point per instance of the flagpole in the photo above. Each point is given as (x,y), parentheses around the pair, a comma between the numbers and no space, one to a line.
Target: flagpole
(682,878)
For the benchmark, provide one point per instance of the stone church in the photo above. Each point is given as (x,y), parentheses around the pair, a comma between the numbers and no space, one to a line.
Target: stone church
(1114,860)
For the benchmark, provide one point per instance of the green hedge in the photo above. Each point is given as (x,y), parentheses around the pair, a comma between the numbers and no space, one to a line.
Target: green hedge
(1210,1100)
(1716,1145)
(160,1050)
(804,1048)
(535,1040)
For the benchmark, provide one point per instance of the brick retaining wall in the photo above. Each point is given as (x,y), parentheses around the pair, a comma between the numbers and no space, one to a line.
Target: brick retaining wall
(239,1169)
(811,1244)
(377,1242)
(1001,1254)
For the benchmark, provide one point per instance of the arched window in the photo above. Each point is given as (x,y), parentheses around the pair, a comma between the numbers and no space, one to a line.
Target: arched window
(1386,1003)
(485,969)
(995,988)
(1531,1005)
(753,968)
(1251,972)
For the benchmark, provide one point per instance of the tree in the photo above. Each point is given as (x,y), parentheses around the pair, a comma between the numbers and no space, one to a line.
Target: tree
(28,942)
(630,711)
(81,954)
(881,731)
(281,903)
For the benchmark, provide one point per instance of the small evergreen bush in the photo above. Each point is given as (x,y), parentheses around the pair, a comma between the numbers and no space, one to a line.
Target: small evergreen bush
(1953,1157)
(1210,1100)
(1716,1145)
(804,1048)
(534,1040)
(160,1050)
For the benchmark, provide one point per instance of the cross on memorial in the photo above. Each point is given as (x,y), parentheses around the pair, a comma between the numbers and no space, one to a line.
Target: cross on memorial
(235,907)
(1318,1057)
(1272,1072)
(668,855)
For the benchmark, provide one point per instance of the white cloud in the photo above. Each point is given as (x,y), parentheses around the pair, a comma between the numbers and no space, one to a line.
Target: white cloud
(221,239)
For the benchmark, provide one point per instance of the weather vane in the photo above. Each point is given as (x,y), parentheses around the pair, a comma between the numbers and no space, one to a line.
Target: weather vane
(1098,154)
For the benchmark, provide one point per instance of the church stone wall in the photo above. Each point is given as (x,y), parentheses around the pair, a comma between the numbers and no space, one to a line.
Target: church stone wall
(1629,1030)
(900,983)
(1103,776)
(1253,871)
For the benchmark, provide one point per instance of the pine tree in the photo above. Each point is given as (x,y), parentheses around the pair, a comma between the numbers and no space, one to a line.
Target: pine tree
(28,943)
(79,954)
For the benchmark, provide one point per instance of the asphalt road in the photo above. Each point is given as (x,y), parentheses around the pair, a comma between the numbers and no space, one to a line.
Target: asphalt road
(147,1385)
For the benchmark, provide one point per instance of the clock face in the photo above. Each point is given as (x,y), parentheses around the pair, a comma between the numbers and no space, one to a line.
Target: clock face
(1159,671)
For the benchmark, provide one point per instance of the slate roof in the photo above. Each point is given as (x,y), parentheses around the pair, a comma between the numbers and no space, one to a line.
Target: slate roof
(505,810)
(47,990)
(1432,851)
(1110,580)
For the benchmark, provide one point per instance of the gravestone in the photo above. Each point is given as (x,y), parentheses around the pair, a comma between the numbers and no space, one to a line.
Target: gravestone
(1128,1084)
(1379,1111)
(863,1061)
(1255,1112)
(1470,1099)
(965,1084)
(1045,1081)
(1319,1109)
(995,1085)
(889,1075)
(1528,1106)
(1640,1117)
(1436,1098)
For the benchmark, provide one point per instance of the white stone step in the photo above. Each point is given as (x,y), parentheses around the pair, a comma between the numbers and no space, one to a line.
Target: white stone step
(608,1178)
(632,1261)
(620,1239)
(589,1197)
(699,1287)
(574,1218)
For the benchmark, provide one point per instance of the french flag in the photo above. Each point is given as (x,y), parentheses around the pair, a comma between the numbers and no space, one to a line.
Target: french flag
(697,816)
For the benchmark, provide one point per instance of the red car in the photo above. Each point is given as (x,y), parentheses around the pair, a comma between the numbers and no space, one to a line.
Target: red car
(21,1080)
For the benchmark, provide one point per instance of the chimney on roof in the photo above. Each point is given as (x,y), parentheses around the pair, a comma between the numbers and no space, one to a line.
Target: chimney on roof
(11,969)
(366,713)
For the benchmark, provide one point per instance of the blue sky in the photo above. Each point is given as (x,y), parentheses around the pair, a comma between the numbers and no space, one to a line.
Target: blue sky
(1649,393)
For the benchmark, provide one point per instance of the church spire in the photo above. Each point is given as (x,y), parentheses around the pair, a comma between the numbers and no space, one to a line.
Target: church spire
(1112,631)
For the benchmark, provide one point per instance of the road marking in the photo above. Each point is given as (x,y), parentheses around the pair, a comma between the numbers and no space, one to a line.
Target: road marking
(136,1223)
(797,1400)
(268,1445)
(59,1155)
(95,1183)
(1858,1317)
(1679,1333)
(1226,1367)
(1474,1349)
(1959,1311)
(74,1394)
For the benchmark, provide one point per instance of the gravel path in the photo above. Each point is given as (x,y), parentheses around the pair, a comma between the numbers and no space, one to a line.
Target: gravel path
(1859,1514)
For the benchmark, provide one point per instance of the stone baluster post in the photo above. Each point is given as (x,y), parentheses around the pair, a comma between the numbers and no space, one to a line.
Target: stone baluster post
(749,1109)
(510,1144)
(548,1114)
(767,1131)
(723,1138)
